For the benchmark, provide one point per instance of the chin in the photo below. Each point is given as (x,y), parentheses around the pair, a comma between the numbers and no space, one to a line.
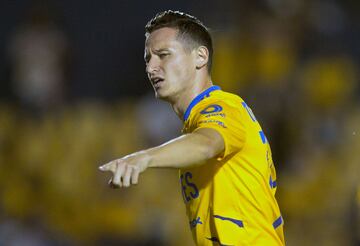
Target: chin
(161,94)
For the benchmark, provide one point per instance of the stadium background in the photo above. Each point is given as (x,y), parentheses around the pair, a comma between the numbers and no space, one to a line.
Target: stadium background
(74,95)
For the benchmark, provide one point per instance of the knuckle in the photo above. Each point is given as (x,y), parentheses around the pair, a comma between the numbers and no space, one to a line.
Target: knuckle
(136,168)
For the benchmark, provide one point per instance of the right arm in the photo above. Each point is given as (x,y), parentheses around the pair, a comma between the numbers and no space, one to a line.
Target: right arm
(185,151)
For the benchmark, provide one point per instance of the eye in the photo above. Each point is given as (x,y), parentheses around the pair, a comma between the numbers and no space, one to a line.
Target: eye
(163,55)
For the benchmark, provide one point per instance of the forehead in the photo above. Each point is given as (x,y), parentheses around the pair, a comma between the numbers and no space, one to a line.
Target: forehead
(162,38)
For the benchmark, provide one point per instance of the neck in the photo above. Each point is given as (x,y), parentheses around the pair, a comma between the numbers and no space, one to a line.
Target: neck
(183,100)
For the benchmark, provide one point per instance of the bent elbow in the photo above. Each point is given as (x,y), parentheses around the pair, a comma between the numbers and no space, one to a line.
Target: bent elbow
(210,143)
(211,149)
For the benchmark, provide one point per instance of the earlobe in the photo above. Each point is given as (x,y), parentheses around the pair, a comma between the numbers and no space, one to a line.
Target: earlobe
(202,57)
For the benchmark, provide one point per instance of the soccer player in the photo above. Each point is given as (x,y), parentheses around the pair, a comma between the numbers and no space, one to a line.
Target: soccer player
(227,175)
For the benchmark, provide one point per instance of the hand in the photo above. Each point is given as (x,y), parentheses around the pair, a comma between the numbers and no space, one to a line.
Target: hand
(126,170)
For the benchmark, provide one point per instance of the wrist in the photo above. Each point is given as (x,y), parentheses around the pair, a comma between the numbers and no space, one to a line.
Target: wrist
(145,160)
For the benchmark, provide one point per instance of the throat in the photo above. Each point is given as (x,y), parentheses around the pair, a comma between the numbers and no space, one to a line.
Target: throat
(181,105)
(182,101)
(179,109)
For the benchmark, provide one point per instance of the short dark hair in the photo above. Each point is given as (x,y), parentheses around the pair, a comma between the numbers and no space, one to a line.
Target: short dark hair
(189,29)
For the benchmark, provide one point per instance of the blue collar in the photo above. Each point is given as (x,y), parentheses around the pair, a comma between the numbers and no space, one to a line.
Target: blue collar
(198,98)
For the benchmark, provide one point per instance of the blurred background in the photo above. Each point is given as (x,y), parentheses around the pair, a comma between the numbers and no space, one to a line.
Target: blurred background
(74,95)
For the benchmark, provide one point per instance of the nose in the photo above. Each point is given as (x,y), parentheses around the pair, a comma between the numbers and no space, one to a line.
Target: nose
(152,66)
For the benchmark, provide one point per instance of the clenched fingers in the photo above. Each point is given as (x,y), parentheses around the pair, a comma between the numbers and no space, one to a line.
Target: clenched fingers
(123,174)
(131,175)
(135,175)
(119,173)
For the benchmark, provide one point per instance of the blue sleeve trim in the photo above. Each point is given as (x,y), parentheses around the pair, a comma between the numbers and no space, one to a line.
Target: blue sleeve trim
(239,223)
(198,98)
(278,222)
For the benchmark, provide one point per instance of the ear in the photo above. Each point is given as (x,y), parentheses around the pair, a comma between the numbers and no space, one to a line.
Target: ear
(202,57)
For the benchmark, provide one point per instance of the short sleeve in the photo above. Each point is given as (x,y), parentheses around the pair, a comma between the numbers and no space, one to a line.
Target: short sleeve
(226,120)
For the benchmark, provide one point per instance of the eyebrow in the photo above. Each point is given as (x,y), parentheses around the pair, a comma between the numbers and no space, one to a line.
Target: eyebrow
(148,55)
(161,50)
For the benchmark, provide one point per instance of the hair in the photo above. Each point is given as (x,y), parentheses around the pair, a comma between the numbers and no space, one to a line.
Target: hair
(190,29)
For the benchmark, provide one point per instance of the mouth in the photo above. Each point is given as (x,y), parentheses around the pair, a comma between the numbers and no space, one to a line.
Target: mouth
(157,81)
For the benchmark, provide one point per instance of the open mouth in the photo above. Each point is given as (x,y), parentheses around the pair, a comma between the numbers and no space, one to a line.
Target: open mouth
(157,82)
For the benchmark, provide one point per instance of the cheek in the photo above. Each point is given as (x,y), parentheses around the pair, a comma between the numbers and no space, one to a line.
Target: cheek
(181,68)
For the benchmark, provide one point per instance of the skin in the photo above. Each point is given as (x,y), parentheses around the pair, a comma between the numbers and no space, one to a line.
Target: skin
(184,76)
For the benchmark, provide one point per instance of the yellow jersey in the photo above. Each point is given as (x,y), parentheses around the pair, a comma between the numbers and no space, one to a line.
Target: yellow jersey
(230,200)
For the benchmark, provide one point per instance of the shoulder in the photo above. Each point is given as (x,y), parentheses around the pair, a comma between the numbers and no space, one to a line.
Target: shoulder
(220,100)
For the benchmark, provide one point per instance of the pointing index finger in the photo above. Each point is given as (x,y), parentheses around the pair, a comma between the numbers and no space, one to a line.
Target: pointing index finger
(107,167)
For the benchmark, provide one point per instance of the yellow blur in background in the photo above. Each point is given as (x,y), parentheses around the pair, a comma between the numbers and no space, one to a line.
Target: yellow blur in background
(303,90)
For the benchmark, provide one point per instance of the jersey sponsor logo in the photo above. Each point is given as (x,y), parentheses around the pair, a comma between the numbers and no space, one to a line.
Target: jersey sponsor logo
(215,114)
(188,188)
(220,123)
(211,109)
(195,222)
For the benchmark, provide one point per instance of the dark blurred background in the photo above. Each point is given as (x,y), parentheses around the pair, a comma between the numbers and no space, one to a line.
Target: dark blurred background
(74,95)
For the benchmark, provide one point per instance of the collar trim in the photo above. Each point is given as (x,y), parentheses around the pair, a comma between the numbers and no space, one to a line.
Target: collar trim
(199,98)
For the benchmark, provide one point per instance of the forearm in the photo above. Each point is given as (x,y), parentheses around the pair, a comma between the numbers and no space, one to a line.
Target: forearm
(185,151)
(188,150)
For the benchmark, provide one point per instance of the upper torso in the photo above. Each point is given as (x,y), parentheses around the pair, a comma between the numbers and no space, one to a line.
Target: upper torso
(231,198)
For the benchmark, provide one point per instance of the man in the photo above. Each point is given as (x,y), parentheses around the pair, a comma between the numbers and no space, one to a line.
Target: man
(227,176)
